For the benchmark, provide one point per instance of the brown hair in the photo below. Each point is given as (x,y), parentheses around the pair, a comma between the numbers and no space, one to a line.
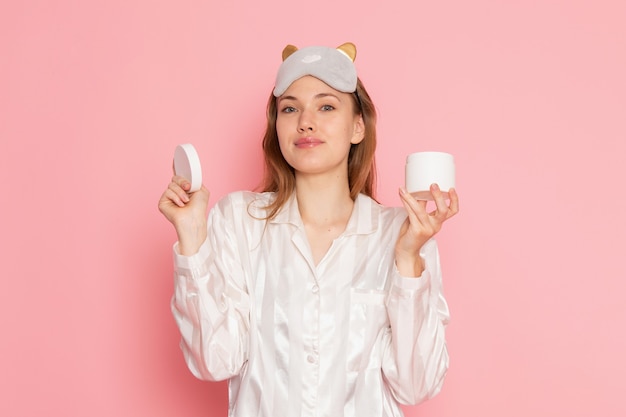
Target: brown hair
(279,176)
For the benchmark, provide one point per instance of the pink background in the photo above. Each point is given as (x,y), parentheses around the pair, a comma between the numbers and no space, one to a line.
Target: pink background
(530,97)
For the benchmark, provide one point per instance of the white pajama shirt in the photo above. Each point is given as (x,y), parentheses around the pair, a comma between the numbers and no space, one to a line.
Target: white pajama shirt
(346,337)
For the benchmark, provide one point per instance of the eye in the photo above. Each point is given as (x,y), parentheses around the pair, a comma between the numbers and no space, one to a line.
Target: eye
(288,109)
(327,107)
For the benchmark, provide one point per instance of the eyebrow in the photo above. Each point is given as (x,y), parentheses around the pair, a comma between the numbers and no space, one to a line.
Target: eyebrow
(317,96)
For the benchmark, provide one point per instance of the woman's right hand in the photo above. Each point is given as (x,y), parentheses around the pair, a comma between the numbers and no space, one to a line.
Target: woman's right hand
(187,212)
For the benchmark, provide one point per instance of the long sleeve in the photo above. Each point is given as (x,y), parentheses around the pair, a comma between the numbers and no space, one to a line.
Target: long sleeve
(210,303)
(346,336)
(416,360)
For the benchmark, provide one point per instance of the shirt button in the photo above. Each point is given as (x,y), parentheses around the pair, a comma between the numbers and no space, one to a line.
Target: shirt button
(310,359)
(315,289)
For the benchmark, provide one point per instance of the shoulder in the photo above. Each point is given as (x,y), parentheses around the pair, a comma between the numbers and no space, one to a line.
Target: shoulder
(384,212)
(371,215)
(246,201)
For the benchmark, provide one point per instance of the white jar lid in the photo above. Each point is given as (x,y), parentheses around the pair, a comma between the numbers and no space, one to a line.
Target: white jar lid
(187,165)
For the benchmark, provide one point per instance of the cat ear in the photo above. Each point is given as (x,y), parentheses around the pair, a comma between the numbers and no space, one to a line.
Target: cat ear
(289,49)
(349,49)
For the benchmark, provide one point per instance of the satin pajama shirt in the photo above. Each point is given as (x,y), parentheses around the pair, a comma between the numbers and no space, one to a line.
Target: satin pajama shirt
(346,337)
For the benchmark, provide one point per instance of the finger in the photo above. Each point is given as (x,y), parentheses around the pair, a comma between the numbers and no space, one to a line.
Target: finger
(416,210)
(179,191)
(442,208)
(172,196)
(182,182)
(454,202)
(409,199)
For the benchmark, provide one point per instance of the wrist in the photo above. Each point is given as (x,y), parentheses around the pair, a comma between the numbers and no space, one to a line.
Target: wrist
(410,266)
(190,238)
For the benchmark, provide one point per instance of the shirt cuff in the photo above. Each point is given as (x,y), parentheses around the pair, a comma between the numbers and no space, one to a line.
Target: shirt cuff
(196,263)
(411,284)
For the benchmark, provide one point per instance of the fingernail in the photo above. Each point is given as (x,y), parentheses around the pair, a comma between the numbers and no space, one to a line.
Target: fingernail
(435,187)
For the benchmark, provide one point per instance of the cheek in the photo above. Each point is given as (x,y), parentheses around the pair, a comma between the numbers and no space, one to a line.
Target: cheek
(282,126)
(282,140)
(281,133)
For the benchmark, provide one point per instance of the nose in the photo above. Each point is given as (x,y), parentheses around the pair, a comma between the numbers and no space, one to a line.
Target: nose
(306,122)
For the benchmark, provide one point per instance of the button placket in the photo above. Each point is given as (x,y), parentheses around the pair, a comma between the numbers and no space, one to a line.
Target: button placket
(312,357)
(311,349)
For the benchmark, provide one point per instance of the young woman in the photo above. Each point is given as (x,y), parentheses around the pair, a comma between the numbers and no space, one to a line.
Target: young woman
(310,297)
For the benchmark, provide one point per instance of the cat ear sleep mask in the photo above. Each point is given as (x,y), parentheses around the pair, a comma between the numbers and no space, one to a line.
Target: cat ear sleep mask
(334,66)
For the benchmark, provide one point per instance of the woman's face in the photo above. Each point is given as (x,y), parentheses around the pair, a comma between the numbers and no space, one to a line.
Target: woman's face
(316,126)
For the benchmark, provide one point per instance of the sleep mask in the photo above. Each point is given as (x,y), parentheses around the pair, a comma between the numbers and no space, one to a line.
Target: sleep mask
(334,66)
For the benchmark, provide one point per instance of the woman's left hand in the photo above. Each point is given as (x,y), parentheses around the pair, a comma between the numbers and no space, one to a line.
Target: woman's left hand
(421,226)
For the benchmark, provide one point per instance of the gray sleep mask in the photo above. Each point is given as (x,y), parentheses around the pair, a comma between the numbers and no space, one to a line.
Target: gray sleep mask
(334,66)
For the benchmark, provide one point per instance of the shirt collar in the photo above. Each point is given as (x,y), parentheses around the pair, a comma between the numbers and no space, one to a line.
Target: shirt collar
(364,218)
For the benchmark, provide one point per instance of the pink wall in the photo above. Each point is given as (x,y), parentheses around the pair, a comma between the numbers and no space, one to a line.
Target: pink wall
(530,96)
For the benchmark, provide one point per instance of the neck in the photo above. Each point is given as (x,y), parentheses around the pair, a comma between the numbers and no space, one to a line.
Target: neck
(323,202)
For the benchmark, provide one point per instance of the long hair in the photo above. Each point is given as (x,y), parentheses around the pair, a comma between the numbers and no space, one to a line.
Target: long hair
(279,176)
